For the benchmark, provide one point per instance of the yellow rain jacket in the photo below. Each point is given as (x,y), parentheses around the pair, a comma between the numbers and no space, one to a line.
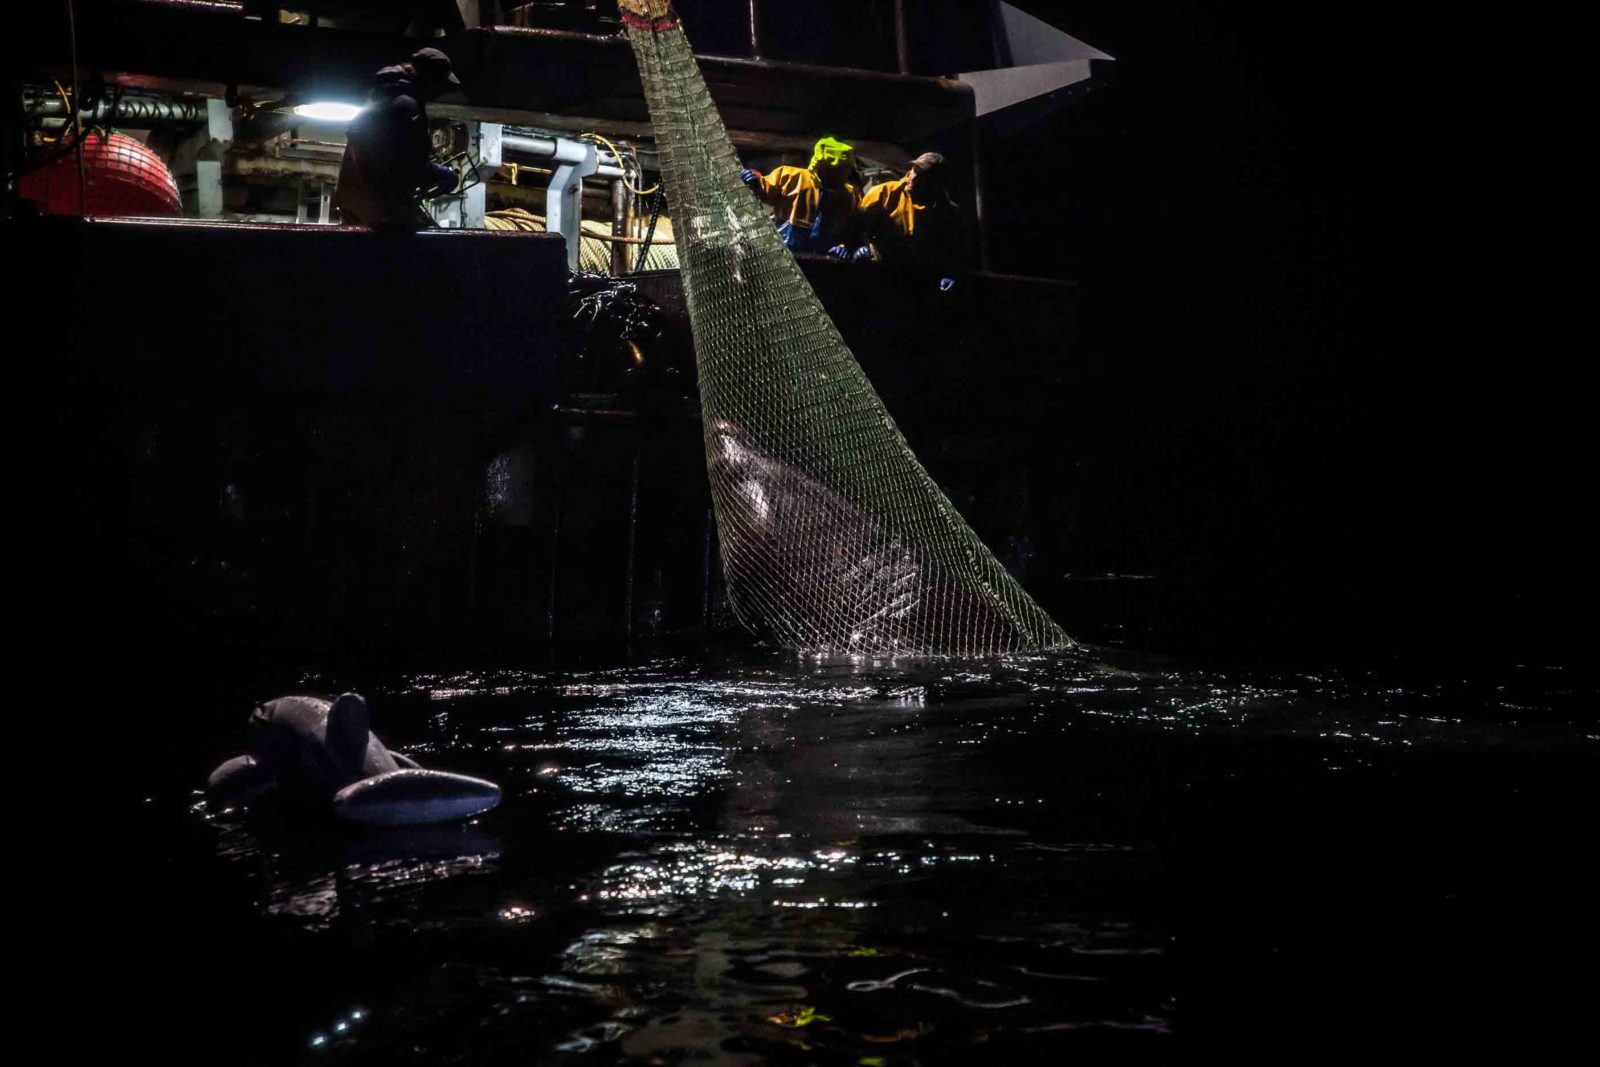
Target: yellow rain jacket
(902,230)
(810,216)
(796,196)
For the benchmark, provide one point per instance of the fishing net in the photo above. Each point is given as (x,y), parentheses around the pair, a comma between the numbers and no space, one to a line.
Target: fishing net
(833,537)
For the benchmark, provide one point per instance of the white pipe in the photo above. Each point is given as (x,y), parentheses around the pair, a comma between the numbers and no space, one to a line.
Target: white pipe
(574,160)
(548,147)
(542,147)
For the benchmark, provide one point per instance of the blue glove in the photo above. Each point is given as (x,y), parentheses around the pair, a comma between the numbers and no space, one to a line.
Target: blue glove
(946,284)
(749,177)
(839,252)
(863,254)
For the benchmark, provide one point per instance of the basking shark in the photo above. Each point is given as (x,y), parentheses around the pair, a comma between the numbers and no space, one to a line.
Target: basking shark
(323,753)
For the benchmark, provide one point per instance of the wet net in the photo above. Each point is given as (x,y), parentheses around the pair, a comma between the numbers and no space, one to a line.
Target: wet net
(833,537)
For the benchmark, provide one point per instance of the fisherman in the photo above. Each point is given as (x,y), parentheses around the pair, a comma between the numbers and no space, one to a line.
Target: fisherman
(388,163)
(814,206)
(913,220)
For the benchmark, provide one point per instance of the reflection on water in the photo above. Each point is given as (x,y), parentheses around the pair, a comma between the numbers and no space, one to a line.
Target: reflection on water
(874,864)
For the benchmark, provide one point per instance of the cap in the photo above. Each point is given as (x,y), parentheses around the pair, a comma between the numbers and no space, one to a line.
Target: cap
(432,63)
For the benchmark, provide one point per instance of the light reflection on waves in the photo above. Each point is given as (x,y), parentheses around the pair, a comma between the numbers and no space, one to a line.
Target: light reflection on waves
(687,854)
(1023,692)
(663,744)
(628,745)
(995,961)
(744,972)
(630,741)
(311,873)
(318,898)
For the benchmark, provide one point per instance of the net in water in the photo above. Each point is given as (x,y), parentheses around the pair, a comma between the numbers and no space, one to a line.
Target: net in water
(833,537)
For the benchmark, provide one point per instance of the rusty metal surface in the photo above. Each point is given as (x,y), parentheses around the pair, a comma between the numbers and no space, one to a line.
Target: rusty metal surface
(779,66)
(298,435)
(208,49)
(394,320)
(232,226)
(207,7)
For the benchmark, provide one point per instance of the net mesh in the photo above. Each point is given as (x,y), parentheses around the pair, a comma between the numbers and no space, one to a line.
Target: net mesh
(833,537)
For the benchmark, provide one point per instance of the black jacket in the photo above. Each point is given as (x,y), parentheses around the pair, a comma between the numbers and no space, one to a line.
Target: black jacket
(389,156)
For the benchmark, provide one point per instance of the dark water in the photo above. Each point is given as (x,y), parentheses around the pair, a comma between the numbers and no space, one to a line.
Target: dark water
(1091,854)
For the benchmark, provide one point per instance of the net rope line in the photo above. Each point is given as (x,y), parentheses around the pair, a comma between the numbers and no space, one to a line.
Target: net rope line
(834,539)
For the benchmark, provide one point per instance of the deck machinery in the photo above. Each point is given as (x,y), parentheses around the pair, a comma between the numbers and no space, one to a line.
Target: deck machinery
(405,428)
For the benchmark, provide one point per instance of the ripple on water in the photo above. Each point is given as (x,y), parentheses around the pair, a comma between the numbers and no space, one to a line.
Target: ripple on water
(826,860)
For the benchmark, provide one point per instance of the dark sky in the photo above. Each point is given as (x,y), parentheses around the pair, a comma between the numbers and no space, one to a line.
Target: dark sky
(1319,361)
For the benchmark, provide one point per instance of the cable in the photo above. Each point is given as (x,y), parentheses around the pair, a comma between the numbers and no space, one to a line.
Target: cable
(634,189)
(63,94)
(649,234)
(67,106)
(77,122)
(469,178)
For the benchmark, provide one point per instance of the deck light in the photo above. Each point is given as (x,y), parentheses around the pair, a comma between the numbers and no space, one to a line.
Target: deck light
(327,111)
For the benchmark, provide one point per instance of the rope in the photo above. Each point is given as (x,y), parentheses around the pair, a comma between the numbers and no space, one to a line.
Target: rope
(516,218)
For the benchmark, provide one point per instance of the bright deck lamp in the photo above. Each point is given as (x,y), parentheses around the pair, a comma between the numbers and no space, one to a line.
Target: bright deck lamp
(327,111)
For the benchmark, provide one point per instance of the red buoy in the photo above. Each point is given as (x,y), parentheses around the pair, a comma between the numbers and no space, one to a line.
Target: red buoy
(121,177)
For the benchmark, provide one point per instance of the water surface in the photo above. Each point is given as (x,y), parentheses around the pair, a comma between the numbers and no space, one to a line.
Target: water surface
(776,859)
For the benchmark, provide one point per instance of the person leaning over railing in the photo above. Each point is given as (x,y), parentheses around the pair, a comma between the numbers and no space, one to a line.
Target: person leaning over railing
(912,219)
(815,206)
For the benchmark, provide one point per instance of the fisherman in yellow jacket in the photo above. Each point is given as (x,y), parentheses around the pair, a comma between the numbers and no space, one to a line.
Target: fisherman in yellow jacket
(814,206)
(913,220)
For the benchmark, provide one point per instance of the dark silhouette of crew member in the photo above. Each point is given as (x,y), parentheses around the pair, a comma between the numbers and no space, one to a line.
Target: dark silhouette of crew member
(388,161)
